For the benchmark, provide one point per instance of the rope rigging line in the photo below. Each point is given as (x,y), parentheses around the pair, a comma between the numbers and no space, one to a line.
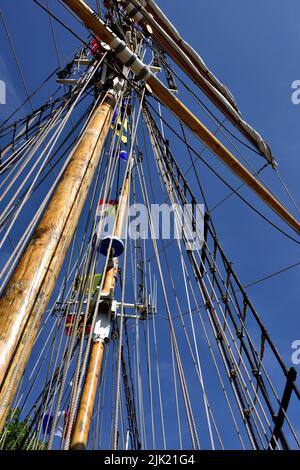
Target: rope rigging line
(287,235)
(23,241)
(205,107)
(72,100)
(51,102)
(154,147)
(165,173)
(26,341)
(43,83)
(62,24)
(190,417)
(38,312)
(102,281)
(272,275)
(157,49)
(40,182)
(120,345)
(54,37)
(190,424)
(89,271)
(140,440)
(134,132)
(16,59)
(208,409)
(87,222)
(129,395)
(237,189)
(197,381)
(283,232)
(212,232)
(57,151)
(62,366)
(51,145)
(288,192)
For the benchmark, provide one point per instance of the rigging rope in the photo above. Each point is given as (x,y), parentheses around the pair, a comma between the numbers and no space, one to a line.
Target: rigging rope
(287,235)
(165,173)
(16,59)
(62,24)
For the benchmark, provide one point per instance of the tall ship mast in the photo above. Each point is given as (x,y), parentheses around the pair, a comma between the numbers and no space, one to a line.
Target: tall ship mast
(124,324)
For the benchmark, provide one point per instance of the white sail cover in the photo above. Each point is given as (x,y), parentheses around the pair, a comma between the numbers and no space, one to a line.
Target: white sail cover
(218,89)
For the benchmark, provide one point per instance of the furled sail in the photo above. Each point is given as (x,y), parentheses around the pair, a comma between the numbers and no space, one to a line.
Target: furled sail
(195,67)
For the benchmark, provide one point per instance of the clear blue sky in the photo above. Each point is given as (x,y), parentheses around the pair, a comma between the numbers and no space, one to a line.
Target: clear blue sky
(253,48)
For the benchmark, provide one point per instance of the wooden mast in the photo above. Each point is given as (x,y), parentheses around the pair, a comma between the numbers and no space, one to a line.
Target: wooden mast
(123,53)
(83,420)
(31,285)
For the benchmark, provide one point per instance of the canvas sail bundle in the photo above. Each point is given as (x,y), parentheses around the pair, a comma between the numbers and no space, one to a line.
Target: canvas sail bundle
(185,56)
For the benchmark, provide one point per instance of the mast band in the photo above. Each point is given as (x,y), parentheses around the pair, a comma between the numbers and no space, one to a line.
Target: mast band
(133,12)
(120,47)
(144,75)
(130,59)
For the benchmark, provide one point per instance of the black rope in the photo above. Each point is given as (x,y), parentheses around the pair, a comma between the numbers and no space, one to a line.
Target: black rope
(158,50)
(62,23)
(223,180)
(138,90)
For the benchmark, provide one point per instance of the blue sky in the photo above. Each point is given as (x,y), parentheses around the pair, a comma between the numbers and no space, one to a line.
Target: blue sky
(253,48)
